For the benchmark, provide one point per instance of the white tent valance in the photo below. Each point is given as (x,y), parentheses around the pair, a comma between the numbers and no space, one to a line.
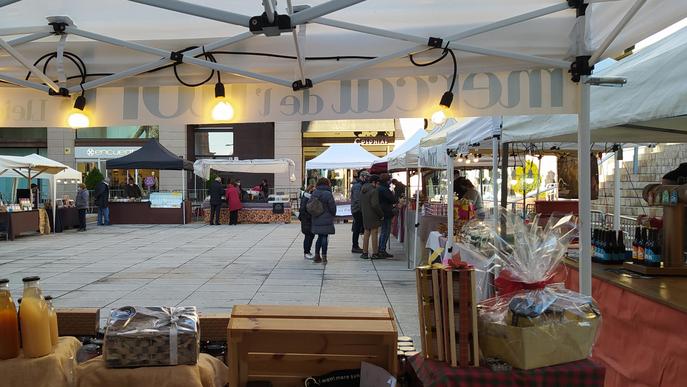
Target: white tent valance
(203,167)
(342,156)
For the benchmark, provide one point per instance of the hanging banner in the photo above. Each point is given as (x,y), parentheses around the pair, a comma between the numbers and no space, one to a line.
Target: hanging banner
(479,94)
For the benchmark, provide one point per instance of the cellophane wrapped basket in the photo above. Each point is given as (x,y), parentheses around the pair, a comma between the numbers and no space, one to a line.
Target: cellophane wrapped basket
(532,322)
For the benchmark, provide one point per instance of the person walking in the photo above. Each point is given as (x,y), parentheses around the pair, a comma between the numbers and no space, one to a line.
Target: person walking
(387,201)
(372,217)
(216,192)
(306,223)
(234,203)
(102,200)
(81,203)
(357,227)
(323,223)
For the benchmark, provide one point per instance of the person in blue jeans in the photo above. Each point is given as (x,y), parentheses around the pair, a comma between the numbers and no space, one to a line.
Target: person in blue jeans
(323,223)
(102,199)
(387,200)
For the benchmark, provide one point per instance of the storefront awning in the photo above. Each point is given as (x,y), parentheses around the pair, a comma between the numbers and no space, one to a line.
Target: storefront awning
(203,167)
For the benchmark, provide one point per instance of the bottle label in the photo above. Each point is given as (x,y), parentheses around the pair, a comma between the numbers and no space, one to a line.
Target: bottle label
(652,257)
(634,253)
(673,197)
(640,254)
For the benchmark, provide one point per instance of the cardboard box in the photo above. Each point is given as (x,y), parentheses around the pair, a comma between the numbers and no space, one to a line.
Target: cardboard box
(538,346)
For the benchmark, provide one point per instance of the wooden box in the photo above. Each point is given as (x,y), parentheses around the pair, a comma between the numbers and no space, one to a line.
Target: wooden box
(447,309)
(78,321)
(285,344)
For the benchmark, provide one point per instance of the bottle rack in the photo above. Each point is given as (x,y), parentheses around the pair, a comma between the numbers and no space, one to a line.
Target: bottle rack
(674,234)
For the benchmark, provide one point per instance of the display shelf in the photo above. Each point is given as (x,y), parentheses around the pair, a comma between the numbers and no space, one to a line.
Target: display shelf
(649,270)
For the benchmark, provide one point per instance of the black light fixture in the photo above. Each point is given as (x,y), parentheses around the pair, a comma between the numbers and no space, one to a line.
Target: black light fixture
(77,118)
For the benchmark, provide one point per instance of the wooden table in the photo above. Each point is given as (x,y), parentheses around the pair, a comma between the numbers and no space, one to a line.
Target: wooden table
(20,222)
(642,335)
(286,344)
(142,213)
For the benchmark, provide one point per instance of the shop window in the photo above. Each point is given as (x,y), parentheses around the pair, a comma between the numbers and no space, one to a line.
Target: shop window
(212,143)
(119,132)
(23,134)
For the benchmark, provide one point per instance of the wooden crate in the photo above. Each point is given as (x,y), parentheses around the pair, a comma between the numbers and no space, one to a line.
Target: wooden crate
(286,344)
(447,310)
(78,321)
(213,326)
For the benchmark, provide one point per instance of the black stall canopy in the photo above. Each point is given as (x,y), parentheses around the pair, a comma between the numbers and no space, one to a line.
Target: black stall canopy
(152,155)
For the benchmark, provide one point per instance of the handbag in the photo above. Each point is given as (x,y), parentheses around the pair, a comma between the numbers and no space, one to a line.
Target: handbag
(314,207)
(340,378)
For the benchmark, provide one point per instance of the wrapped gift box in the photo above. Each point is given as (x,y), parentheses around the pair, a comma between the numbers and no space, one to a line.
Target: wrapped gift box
(151,336)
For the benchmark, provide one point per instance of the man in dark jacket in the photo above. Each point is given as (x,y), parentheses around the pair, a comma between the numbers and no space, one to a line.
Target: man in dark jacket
(372,217)
(357,213)
(399,189)
(216,192)
(132,190)
(306,222)
(323,224)
(102,200)
(387,200)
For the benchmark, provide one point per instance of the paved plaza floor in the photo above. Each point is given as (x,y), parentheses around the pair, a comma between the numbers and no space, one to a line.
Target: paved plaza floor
(211,267)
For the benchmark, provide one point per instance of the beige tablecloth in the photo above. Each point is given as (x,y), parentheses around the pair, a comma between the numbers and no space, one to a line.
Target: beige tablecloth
(54,370)
(209,372)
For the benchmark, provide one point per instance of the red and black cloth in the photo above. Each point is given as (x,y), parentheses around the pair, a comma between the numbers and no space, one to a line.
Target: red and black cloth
(583,373)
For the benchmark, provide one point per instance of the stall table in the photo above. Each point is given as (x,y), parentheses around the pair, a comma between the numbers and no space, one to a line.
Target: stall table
(252,213)
(142,213)
(431,373)
(67,217)
(642,336)
(20,222)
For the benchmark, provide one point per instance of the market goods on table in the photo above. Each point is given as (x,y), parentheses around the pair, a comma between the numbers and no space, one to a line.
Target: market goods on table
(151,336)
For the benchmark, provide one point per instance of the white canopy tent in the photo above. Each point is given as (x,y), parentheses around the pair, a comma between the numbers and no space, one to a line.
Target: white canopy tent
(403,148)
(490,35)
(203,167)
(34,166)
(342,156)
(69,176)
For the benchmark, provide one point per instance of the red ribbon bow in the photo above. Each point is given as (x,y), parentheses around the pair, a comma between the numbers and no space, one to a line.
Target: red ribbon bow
(506,284)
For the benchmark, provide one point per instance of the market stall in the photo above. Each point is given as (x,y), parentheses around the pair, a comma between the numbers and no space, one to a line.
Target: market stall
(31,167)
(277,209)
(159,207)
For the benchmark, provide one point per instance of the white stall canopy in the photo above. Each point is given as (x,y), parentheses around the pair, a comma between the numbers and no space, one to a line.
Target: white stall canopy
(342,156)
(19,166)
(69,175)
(651,107)
(203,167)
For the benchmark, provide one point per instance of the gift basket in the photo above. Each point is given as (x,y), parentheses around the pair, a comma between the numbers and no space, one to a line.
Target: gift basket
(532,322)
(151,336)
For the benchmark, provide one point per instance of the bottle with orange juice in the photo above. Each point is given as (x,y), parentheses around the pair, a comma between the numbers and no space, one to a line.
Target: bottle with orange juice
(35,320)
(54,334)
(9,328)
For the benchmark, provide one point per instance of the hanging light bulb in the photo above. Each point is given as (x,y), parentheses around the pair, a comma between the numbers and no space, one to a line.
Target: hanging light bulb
(77,118)
(476,158)
(460,158)
(222,111)
(467,161)
(441,115)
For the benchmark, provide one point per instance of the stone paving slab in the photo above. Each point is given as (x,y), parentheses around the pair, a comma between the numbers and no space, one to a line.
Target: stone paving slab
(213,268)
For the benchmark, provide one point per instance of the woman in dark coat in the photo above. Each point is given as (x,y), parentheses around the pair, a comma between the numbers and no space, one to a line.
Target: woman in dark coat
(306,223)
(323,224)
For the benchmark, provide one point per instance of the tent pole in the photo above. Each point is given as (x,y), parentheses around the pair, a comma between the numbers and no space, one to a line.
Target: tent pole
(449,205)
(584,188)
(616,190)
(54,204)
(494,175)
(183,204)
(416,225)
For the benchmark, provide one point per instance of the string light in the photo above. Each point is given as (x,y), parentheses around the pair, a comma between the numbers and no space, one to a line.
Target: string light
(222,111)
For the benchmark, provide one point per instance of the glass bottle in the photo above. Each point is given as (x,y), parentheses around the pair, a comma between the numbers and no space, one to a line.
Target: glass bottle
(621,246)
(641,246)
(35,320)
(54,334)
(649,248)
(9,327)
(635,246)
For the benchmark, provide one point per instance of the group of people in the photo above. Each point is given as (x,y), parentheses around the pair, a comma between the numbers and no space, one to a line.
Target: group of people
(373,206)
(218,195)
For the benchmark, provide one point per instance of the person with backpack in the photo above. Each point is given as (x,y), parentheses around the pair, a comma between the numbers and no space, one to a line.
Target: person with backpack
(322,208)
(372,217)
(306,222)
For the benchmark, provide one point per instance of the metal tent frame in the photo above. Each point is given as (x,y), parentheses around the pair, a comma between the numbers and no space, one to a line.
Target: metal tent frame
(270,23)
